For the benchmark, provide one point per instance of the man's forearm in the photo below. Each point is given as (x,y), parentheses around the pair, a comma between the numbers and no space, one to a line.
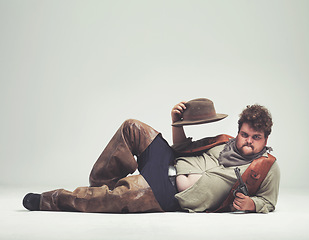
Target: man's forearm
(176,114)
(179,135)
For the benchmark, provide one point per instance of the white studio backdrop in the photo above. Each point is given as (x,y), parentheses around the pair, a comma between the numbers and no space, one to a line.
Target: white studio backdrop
(72,71)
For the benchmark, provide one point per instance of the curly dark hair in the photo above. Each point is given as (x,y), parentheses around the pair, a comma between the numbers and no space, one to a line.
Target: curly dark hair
(258,117)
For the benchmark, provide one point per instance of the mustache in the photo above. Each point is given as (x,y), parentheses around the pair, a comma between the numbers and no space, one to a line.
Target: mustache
(247,145)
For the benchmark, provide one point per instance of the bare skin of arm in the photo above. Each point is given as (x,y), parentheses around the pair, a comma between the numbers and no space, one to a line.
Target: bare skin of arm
(178,133)
(182,181)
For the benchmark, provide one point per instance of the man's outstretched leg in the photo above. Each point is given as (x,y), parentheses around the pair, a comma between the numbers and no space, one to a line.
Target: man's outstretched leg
(131,194)
(117,159)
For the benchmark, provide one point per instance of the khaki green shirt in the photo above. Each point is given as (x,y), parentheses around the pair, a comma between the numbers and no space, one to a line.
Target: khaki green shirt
(216,182)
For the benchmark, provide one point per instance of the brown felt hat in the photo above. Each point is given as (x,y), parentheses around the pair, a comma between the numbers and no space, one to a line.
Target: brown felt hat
(198,111)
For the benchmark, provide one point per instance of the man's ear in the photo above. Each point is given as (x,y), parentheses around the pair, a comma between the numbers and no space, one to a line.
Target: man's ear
(266,139)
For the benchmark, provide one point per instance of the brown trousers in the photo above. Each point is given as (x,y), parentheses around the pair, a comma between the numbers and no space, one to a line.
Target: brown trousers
(110,189)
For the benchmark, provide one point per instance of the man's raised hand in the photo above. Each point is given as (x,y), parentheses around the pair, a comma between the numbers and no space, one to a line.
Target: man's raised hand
(177,111)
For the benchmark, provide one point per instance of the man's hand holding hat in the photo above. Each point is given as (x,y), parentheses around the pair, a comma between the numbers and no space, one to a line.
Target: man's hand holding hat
(196,111)
(177,111)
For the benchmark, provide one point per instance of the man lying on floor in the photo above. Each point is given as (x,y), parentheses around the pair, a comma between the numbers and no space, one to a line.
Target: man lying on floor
(205,179)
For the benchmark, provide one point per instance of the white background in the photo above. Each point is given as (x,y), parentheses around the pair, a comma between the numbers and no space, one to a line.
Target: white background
(72,71)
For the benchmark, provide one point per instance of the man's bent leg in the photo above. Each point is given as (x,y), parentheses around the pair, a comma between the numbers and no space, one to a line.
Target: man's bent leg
(117,160)
(131,194)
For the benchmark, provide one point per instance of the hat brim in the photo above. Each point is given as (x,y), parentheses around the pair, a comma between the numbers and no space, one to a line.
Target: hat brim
(218,117)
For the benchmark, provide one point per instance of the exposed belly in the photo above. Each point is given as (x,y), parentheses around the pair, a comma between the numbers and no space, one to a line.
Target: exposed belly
(183,182)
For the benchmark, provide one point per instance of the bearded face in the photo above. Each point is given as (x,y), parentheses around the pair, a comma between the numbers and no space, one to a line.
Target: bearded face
(249,141)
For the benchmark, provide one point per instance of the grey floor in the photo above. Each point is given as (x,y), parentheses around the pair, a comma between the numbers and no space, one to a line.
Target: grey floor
(289,221)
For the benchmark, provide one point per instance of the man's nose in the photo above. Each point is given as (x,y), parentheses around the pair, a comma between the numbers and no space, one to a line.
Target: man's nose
(250,140)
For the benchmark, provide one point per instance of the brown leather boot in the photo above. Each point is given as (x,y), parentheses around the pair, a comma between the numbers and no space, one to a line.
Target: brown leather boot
(117,160)
(131,194)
